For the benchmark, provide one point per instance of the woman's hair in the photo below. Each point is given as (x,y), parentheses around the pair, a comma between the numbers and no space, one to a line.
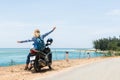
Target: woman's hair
(36,33)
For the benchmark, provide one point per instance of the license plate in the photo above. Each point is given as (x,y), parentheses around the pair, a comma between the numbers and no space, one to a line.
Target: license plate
(32,58)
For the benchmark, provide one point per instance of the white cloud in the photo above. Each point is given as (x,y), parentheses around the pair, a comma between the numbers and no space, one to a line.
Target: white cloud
(115,12)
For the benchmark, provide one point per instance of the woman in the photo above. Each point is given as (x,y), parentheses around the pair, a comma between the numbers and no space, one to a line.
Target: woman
(38,44)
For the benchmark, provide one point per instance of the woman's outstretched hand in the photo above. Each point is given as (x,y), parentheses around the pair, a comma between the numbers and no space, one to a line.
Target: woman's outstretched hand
(54,28)
(18,41)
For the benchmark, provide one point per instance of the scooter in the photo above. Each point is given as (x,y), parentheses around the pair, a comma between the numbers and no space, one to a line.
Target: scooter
(40,59)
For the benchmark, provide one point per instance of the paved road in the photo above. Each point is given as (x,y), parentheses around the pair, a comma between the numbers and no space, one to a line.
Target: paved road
(105,70)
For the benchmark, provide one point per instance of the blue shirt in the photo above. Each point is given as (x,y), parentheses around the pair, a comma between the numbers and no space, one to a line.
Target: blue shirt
(39,43)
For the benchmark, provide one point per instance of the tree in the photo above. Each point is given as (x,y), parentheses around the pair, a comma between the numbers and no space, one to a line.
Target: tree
(107,43)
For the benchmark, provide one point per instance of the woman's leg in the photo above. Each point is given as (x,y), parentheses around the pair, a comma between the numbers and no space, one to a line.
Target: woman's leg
(27,61)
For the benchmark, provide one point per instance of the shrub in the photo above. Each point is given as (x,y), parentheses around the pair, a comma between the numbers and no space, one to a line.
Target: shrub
(12,62)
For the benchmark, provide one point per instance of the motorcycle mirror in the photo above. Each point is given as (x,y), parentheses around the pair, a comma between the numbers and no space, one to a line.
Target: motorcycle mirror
(49,41)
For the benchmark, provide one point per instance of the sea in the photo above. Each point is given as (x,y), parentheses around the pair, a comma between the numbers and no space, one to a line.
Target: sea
(16,56)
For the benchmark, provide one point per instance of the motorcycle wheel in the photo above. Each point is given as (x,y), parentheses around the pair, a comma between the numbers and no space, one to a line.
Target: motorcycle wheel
(36,66)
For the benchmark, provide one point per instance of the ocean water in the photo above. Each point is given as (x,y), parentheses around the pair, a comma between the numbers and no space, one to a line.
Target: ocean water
(18,55)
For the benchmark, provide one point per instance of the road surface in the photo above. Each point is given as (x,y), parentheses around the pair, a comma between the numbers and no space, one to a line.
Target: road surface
(104,70)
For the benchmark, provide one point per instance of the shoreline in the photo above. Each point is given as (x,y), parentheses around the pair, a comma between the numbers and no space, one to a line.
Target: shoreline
(17,72)
(78,53)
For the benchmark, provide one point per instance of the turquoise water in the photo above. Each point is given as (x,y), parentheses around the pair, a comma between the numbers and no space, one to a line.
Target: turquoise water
(18,55)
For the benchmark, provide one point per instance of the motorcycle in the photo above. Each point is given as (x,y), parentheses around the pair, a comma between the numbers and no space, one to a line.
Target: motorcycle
(40,59)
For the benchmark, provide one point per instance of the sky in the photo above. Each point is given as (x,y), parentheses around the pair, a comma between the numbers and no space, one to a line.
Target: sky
(78,22)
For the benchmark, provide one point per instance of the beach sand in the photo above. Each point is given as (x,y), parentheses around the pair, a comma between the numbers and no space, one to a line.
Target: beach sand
(18,73)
